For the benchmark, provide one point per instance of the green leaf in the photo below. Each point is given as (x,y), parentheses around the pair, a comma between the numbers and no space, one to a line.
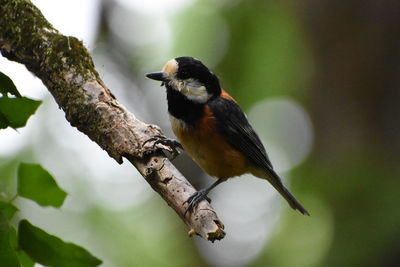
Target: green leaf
(7,209)
(17,110)
(4,123)
(24,259)
(8,257)
(7,86)
(37,184)
(13,238)
(50,250)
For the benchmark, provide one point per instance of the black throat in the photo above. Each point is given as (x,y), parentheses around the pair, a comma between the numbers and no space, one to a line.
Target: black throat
(182,108)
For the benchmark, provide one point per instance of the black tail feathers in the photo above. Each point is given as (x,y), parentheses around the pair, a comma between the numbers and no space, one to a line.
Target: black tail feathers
(276,182)
(292,201)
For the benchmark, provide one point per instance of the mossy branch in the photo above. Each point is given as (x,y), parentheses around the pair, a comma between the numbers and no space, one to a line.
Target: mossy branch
(67,70)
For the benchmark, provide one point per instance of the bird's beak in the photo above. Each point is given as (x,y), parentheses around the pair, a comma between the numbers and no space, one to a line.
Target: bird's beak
(158,76)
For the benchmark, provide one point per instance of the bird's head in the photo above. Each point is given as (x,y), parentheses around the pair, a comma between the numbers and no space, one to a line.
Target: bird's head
(190,77)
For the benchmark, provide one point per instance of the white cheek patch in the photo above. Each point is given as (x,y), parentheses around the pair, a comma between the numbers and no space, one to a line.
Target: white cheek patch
(196,92)
(192,89)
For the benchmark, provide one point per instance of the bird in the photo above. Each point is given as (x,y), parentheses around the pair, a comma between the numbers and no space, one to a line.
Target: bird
(212,128)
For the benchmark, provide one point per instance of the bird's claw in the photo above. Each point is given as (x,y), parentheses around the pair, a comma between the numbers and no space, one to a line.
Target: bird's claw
(195,199)
(160,139)
(170,143)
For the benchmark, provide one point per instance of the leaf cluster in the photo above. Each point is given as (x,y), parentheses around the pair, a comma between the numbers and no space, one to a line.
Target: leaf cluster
(28,244)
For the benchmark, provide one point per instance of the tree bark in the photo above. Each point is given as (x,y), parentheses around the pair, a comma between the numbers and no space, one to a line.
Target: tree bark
(67,70)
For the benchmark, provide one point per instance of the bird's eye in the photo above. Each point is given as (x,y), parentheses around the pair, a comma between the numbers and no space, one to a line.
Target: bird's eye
(184,74)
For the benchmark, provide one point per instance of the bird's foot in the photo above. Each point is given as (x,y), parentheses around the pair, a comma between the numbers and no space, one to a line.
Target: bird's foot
(171,144)
(195,199)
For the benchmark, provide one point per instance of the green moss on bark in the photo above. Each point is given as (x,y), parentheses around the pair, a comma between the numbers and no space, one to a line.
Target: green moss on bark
(27,37)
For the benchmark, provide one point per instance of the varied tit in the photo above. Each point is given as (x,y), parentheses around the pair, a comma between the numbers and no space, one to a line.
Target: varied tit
(213,129)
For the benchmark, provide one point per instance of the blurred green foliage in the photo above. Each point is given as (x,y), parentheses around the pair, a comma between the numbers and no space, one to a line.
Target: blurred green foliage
(328,56)
(259,43)
(7,209)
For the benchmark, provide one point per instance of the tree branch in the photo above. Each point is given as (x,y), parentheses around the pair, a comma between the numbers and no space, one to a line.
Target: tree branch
(67,70)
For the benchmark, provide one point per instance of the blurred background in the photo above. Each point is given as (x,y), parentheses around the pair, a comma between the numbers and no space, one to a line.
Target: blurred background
(319,81)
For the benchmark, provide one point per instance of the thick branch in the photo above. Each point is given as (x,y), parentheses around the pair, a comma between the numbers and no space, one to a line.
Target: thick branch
(66,69)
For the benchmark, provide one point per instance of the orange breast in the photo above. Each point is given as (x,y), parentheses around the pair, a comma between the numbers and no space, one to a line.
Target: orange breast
(208,149)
